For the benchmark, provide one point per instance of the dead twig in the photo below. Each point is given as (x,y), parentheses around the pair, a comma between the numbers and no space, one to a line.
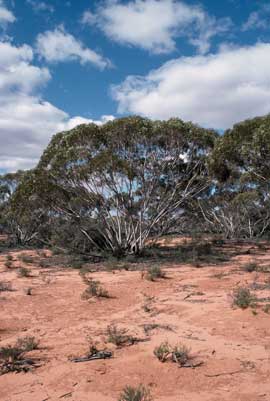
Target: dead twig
(191,365)
(224,373)
(66,395)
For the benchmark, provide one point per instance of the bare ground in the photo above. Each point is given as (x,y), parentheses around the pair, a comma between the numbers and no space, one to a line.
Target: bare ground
(192,306)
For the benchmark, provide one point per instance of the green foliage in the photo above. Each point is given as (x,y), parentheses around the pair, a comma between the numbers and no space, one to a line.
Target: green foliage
(250,267)
(118,337)
(140,393)
(123,181)
(12,356)
(94,289)
(24,272)
(181,354)
(243,298)
(266,308)
(155,272)
(105,190)
(162,351)
(25,258)
(8,264)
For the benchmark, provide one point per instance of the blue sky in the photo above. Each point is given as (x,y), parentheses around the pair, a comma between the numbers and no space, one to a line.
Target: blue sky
(64,62)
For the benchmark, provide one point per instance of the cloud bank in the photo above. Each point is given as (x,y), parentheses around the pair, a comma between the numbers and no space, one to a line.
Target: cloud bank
(216,90)
(154,25)
(27,122)
(6,16)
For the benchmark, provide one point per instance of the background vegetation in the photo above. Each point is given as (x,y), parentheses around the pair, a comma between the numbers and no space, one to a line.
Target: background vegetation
(113,189)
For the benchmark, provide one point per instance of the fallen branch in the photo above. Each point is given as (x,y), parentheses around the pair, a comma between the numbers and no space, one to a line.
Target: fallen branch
(191,365)
(225,373)
(22,365)
(98,355)
(66,395)
(192,338)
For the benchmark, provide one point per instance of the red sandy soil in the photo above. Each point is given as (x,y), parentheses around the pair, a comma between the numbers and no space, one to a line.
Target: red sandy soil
(234,344)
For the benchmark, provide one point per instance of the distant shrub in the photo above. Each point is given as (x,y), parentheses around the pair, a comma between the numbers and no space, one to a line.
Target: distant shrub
(147,305)
(140,393)
(155,272)
(42,253)
(28,291)
(94,289)
(9,257)
(118,337)
(23,272)
(8,264)
(27,259)
(250,267)
(12,357)
(266,308)
(243,298)
(5,286)
(263,269)
(27,343)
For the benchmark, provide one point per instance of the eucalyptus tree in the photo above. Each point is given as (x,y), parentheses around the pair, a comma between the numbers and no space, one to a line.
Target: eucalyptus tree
(240,161)
(8,185)
(132,177)
(22,214)
(236,215)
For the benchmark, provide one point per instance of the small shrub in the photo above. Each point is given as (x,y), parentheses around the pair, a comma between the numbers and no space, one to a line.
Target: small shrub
(27,343)
(93,347)
(11,353)
(250,267)
(162,351)
(118,337)
(46,279)
(27,259)
(266,308)
(28,291)
(12,357)
(23,272)
(42,254)
(43,263)
(181,354)
(8,264)
(9,258)
(243,298)
(140,393)
(94,289)
(147,305)
(155,272)
(263,269)
(5,286)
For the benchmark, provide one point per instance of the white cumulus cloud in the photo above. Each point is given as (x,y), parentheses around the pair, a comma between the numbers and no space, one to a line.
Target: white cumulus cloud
(27,121)
(216,90)
(155,24)
(60,46)
(6,16)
